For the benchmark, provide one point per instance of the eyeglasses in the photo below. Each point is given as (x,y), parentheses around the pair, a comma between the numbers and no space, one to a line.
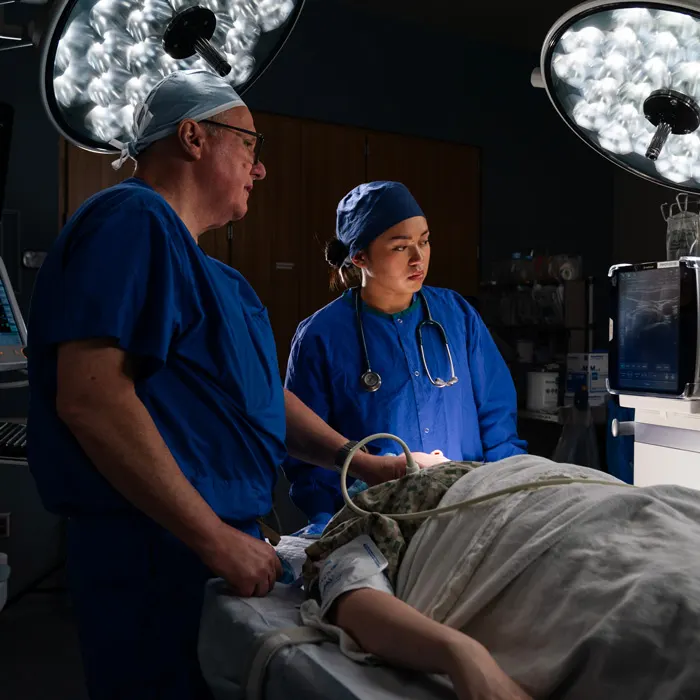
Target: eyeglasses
(259,138)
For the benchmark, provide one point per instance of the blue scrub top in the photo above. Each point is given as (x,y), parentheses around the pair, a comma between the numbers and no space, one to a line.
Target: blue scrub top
(473,420)
(126,267)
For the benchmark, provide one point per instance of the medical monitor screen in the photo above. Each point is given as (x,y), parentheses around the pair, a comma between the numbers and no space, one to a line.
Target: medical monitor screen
(649,329)
(9,330)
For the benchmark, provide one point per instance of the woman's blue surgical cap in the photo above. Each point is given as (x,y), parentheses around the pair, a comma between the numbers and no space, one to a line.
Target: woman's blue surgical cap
(189,94)
(369,210)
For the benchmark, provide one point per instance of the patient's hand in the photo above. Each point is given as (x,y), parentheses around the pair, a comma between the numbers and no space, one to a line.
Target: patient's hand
(423,459)
(476,676)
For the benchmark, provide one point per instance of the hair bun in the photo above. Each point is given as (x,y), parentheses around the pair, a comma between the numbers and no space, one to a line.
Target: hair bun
(336,252)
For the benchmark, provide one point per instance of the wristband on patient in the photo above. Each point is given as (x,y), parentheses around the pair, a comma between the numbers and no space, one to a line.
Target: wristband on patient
(357,564)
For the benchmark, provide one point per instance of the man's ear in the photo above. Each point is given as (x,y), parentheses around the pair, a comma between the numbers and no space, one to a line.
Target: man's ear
(191,137)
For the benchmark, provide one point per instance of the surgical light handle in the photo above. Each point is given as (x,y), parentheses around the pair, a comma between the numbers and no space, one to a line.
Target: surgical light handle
(412,468)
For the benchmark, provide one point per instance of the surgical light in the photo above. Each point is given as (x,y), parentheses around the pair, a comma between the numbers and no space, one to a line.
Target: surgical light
(625,76)
(100,58)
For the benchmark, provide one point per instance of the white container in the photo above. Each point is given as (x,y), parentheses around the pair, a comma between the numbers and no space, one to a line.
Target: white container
(4,576)
(542,391)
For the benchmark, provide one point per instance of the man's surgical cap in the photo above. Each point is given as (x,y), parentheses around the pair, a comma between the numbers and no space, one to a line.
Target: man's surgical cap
(190,94)
(369,210)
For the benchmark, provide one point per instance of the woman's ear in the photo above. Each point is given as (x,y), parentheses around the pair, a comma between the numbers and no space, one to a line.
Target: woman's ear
(360,260)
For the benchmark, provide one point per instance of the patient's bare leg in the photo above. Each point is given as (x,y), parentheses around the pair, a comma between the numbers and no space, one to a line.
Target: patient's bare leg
(394,631)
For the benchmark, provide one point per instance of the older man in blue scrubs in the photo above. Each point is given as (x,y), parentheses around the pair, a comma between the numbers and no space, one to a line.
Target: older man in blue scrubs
(158,419)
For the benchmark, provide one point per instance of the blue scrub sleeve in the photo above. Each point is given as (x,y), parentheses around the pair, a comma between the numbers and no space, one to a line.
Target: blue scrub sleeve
(310,491)
(494,394)
(119,281)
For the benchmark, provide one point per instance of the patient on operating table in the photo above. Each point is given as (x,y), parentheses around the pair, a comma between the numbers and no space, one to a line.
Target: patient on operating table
(576,591)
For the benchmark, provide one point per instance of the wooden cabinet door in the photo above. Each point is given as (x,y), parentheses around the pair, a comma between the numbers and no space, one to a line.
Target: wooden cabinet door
(333,163)
(265,246)
(445,180)
(279,245)
(84,174)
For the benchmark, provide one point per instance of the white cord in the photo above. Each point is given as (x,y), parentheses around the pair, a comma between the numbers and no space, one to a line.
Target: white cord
(412,468)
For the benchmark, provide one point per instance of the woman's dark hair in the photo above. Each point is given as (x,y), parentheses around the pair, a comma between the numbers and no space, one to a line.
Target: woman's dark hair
(345,274)
(336,253)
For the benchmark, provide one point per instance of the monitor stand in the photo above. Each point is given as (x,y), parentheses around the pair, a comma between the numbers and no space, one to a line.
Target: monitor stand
(666,440)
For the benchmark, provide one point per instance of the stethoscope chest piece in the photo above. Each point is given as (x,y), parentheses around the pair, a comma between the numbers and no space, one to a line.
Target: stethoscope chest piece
(371,381)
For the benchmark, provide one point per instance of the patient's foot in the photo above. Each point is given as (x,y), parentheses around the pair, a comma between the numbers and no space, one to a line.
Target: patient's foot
(476,675)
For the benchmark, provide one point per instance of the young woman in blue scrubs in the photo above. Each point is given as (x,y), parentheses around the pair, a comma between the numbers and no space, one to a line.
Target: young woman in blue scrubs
(358,362)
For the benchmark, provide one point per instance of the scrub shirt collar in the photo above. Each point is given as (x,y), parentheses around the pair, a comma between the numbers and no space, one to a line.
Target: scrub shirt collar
(348,298)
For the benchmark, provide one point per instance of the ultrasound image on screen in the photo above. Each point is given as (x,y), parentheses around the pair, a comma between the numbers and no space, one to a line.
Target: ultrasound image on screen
(648,320)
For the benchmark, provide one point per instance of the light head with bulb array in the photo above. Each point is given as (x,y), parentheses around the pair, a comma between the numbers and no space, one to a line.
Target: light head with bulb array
(625,76)
(101,58)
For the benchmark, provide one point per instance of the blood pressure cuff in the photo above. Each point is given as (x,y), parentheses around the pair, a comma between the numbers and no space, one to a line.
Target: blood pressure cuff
(357,564)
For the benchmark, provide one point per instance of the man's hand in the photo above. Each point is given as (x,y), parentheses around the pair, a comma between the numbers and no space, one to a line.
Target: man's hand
(249,565)
(377,470)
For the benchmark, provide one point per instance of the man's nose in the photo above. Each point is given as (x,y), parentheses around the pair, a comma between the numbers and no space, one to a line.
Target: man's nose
(258,171)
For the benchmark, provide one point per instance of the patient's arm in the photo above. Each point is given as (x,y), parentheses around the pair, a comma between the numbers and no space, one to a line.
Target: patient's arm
(394,631)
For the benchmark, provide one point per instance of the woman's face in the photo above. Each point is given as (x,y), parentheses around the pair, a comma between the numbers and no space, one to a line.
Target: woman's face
(398,260)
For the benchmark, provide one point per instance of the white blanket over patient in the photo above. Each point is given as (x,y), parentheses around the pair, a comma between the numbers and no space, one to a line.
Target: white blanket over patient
(580,591)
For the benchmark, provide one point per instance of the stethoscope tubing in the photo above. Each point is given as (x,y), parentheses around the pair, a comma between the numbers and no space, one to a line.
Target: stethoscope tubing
(371,381)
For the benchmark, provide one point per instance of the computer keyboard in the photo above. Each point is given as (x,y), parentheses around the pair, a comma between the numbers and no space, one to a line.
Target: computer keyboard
(13,440)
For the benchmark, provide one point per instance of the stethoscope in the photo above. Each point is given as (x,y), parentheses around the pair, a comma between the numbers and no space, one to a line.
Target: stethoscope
(371,381)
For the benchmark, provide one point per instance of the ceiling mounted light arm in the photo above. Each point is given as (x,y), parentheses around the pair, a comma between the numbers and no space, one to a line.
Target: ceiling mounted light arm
(100,58)
(670,112)
(625,77)
(7,44)
(15,36)
(536,79)
(189,33)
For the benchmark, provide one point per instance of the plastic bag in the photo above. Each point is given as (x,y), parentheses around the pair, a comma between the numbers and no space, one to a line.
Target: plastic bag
(577,443)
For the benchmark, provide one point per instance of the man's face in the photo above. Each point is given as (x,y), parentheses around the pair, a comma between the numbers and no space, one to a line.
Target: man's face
(229,162)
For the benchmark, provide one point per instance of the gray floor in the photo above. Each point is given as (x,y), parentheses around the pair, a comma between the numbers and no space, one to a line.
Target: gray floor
(39,655)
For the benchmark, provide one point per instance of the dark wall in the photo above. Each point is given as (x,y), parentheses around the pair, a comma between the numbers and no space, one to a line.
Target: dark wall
(32,178)
(29,222)
(640,230)
(31,195)
(542,187)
